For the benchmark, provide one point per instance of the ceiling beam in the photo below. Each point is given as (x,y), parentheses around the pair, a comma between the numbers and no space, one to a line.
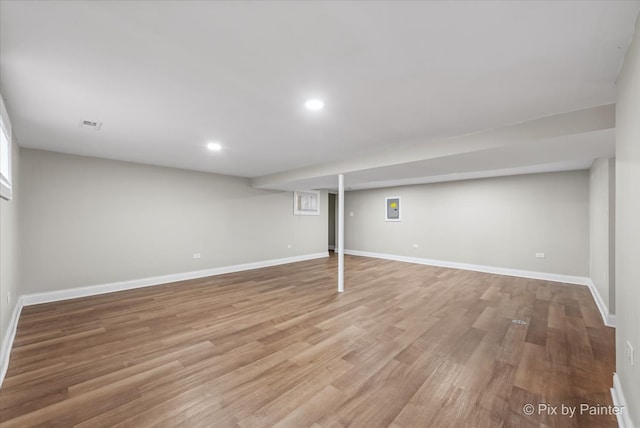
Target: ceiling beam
(556,126)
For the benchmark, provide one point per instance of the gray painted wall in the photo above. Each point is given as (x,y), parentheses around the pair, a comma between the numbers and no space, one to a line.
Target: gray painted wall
(500,222)
(628,224)
(88,221)
(9,279)
(601,229)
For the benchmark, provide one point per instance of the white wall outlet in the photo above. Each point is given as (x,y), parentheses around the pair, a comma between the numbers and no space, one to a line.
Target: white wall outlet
(629,352)
(289,245)
(350,213)
(540,255)
(196,255)
(415,245)
(8,297)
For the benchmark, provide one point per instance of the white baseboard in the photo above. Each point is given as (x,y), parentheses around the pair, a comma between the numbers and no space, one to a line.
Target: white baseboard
(7,342)
(332,247)
(569,279)
(609,320)
(73,293)
(617,395)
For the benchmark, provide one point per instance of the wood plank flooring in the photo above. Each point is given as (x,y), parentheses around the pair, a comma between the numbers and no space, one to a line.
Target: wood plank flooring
(405,345)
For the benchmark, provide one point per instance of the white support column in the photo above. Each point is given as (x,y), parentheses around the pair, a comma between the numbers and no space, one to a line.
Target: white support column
(340,233)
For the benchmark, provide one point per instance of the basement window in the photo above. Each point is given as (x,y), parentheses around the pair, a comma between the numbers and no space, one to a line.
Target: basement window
(5,153)
(306,203)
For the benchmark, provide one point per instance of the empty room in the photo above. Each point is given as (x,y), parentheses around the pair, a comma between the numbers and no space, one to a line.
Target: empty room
(319,213)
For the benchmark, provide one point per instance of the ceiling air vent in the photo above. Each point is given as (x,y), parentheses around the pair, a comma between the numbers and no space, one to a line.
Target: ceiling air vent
(88,124)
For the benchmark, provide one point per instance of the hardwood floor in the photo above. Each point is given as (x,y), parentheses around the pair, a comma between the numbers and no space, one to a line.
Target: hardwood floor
(405,345)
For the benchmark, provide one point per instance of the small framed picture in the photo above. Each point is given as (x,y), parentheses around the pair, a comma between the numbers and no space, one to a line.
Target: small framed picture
(392,208)
(306,202)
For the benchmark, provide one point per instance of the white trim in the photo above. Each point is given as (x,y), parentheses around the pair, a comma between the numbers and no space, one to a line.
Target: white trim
(74,293)
(6,123)
(6,177)
(569,279)
(608,319)
(7,342)
(617,395)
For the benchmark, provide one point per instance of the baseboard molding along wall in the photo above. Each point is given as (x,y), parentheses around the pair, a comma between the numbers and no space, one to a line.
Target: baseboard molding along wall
(94,290)
(617,395)
(7,342)
(73,293)
(608,319)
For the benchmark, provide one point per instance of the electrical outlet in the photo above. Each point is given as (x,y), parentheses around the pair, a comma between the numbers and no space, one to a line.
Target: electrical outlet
(289,245)
(8,297)
(196,255)
(350,213)
(629,352)
(415,245)
(540,255)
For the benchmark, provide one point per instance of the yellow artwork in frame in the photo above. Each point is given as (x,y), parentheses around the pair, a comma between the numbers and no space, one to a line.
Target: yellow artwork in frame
(392,208)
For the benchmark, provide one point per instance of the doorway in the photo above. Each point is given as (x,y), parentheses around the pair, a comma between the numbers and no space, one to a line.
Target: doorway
(332,207)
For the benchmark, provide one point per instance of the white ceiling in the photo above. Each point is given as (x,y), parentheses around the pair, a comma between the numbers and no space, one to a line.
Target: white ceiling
(167,77)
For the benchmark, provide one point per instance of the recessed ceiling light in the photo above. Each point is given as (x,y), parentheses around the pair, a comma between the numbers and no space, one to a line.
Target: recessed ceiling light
(314,104)
(214,147)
